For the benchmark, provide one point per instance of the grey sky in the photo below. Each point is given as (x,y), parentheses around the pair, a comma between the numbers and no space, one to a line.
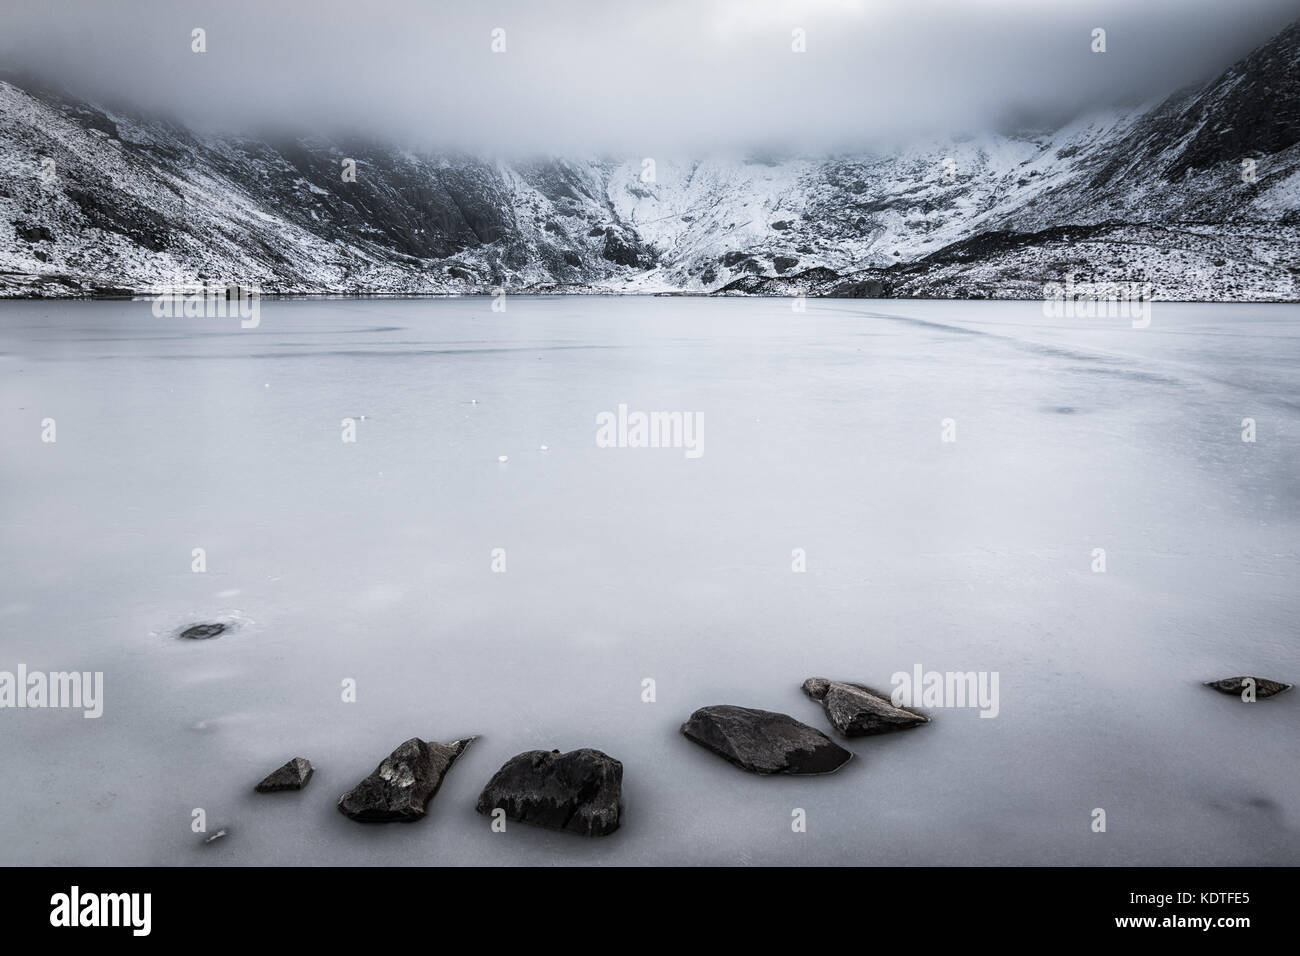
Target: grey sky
(654,76)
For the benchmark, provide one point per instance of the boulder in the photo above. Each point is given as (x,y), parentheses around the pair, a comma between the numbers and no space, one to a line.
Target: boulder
(201,632)
(761,741)
(857,711)
(402,785)
(579,791)
(292,776)
(1236,686)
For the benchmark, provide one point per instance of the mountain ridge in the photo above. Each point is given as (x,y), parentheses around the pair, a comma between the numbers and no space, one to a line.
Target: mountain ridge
(1159,195)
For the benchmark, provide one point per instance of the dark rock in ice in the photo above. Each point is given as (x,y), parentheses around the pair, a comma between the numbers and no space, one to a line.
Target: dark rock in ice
(857,711)
(292,776)
(1236,686)
(403,784)
(761,741)
(578,791)
(201,632)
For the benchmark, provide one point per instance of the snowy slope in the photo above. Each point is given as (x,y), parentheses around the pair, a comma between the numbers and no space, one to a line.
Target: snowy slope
(1155,195)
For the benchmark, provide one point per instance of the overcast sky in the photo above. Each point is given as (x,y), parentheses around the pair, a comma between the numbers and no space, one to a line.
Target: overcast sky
(646,78)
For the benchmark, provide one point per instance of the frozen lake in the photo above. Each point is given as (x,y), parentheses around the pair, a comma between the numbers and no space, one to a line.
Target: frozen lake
(372,561)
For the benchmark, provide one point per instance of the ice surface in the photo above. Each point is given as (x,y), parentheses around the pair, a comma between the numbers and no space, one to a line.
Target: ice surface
(373,561)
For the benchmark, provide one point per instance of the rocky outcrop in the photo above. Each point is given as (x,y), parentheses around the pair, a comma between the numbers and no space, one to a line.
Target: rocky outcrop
(402,785)
(579,791)
(857,711)
(292,776)
(761,741)
(621,250)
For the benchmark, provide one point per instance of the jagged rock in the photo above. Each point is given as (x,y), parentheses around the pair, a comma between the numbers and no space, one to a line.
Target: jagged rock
(292,776)
(1237,685)
(619,250)
(32,233)
(404,782)
(857,711)
(578,791)
(201,632)
(761,741)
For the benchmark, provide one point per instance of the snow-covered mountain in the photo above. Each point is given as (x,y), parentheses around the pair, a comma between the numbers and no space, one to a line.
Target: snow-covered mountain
(1197,196)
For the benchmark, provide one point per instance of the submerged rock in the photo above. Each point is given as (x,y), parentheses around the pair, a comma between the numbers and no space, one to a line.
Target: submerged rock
(292,776)
(201,632)
(579,791)
(403,784)
(857,711)
(1236,686)
(761,741)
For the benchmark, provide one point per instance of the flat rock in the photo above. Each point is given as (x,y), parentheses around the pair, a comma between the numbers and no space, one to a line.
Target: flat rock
(858,711)
(579,791)
(201,632)
(292,776)
(761,741)
(402,785)
(1236,685)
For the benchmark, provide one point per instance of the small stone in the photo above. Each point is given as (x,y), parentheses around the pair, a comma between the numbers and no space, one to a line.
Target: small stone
(857,711)
(1236,686)
(761,741)
(579,791)
(503,458)
(402,785)
(292,776)
(201,632)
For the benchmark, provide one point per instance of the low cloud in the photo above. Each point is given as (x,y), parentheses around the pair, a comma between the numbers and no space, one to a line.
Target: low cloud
(643,78)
